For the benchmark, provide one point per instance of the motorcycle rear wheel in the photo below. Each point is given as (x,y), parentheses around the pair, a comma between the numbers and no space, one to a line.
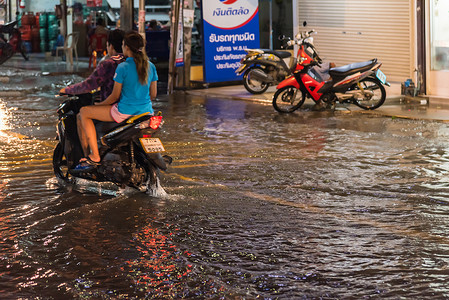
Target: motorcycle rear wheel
(288,99)
(152,185)
(60,167)
(252,85)
(374,94)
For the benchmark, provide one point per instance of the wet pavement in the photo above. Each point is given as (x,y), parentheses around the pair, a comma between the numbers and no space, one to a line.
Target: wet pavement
(311,205)
(396,105)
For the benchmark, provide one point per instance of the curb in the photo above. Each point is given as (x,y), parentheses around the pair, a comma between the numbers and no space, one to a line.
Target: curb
(395,102)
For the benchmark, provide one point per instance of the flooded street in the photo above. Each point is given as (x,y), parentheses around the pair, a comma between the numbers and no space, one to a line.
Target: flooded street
(311,205)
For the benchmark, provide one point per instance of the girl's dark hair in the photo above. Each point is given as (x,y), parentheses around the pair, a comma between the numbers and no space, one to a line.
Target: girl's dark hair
(135,43)
(115,38)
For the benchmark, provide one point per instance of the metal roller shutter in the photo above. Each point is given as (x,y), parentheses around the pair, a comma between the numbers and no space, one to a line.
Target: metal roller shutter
(357,30)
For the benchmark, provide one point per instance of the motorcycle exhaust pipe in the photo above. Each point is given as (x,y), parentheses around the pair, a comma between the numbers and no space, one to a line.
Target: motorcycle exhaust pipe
(343,97)
(352,95)
(260,75)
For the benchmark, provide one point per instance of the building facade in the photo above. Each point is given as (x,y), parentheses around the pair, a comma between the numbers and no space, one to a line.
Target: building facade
(410,37)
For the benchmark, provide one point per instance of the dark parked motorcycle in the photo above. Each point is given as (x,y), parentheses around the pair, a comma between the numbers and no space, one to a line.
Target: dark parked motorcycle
(12,45)
(262,68)
(130,152)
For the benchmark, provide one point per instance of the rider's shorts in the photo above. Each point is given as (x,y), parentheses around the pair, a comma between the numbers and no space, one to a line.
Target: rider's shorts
(118,116)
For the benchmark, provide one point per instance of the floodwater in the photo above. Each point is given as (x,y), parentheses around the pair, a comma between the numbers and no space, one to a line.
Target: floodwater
(312,205)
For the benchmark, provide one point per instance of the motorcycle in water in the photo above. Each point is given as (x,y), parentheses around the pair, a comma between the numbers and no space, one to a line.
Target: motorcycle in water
(130,152)
(358,83)
(12,45)
(262,68)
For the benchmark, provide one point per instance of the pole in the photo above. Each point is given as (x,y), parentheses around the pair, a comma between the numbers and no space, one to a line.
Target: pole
(188,4)
(174,38)
(142,19)
(271,24)
(64,18)
(126,14)
(69,9)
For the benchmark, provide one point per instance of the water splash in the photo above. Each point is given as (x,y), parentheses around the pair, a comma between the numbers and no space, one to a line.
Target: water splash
(4,117)
(106,188)
(156,189)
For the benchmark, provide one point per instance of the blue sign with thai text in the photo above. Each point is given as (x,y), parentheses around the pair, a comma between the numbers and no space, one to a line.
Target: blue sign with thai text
(230,27)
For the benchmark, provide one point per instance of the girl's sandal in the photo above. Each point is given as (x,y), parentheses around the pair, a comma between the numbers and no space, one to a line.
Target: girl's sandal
(86,163)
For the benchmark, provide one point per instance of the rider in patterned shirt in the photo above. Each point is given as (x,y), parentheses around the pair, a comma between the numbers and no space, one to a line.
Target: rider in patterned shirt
(102,77)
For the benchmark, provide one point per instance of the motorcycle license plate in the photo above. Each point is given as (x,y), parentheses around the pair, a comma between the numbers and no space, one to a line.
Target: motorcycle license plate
(152,145)
(381,76)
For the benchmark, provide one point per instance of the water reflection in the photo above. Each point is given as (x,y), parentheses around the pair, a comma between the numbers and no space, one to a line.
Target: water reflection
(260,205)
(156,269)
(4,117)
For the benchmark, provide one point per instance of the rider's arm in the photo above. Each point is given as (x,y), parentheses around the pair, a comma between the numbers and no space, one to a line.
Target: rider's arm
(153,90)
(94,81)
(114,96)
(153,78)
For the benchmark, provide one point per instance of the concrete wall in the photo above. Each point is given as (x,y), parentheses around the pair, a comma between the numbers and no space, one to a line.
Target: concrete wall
(41,5)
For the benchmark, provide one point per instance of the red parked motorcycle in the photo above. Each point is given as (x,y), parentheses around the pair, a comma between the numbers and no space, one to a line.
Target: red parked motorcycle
(13,45)
(358,83)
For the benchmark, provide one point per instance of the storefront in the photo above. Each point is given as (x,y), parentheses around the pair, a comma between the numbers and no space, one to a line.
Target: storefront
(438,47)
(353,30)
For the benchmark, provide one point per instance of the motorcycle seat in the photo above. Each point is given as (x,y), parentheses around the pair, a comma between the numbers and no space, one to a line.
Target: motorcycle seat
(103,128)
(281,54)
(352,68)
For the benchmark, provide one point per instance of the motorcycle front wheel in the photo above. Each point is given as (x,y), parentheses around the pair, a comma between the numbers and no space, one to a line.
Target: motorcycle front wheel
(373,93)
(288,99)
(60,167)
(253,85)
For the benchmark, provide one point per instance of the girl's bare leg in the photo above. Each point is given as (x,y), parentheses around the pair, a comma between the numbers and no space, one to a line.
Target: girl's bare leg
(87,115)
(82,136)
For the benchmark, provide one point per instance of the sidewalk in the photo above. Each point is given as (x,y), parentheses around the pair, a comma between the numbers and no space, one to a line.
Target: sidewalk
(46,64)
(396,105)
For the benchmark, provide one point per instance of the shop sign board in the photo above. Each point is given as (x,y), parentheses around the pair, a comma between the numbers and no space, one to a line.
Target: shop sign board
(229,27)
(180,39)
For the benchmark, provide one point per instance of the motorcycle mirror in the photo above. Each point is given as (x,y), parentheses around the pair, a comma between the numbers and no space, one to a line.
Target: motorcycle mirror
(304,23)
(281,37)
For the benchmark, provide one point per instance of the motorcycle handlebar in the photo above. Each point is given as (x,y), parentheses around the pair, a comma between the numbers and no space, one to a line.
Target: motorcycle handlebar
(62,95)
(299,38)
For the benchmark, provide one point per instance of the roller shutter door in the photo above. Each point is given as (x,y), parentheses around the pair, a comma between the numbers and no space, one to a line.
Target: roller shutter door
(358,30)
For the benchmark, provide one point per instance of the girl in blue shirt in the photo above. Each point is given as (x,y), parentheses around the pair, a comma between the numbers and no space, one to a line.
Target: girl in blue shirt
(135,85)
